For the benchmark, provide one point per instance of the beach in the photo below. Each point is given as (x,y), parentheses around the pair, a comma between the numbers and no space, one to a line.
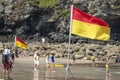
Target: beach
(80,70)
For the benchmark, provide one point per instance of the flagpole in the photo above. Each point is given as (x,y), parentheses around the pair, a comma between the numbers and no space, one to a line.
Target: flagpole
(15,42)
(68,62)
(15,45)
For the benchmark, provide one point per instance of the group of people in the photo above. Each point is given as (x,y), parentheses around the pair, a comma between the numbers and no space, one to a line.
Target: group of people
(7,62)
(50,59)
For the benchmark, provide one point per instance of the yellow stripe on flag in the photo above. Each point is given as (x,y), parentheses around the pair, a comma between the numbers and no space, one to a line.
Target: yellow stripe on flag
(92,31)
(20,43)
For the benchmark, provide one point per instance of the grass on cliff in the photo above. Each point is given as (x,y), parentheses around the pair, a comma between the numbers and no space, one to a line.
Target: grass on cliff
(65,13)
(44,3)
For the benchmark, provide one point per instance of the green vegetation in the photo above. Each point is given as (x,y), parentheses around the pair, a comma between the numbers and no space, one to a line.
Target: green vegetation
(116,7)
(63,13)
(48,3)
(1,1)
(51,3)
(44,3)
(112,1)
(113,6)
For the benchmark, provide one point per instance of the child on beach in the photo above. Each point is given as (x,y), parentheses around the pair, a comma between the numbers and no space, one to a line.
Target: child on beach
(48,60)
(108,74)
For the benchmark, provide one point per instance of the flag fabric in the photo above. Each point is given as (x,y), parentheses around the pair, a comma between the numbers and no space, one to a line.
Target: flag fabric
(89,26)
(20,43)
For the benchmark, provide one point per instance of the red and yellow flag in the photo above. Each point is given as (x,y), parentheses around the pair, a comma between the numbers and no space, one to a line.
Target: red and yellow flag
(20,43)
(92,27)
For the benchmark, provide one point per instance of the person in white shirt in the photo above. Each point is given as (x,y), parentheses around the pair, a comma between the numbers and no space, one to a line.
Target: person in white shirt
(6,62)
(6,50)
(36,60)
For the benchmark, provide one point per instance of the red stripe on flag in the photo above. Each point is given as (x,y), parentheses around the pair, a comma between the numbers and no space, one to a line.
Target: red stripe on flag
(20,40)
(82,16)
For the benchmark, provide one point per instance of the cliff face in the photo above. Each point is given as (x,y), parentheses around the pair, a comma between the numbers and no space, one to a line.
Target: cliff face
(19,17)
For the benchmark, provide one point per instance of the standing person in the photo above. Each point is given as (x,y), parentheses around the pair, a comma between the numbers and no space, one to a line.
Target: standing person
(73,58)
(16,52)
(108,74)
(117,60)
(107,58)
(13,57)
(53,61)
(93,60)
(6,62)
(36,60)
(48,60)
(11,62)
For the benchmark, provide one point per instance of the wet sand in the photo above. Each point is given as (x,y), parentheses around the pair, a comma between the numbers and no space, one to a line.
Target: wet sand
(81,70)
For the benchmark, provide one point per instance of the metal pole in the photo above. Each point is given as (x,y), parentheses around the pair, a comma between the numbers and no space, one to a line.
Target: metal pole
(67,69)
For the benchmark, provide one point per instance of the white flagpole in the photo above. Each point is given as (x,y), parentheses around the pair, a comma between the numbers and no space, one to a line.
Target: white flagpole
(15,42)
(15,45)
(68,62)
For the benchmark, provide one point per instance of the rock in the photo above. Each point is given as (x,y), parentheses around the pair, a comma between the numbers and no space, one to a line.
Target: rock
(53,23)
(1,8)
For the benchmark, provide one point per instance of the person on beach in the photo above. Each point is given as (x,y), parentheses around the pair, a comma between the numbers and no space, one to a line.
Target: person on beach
(36,60)
(93,60)
(11,60)
(6,59)
(13,56)
(53,61)
(73,58)
(117,60)
(107,58)
(108,74)
(48,60)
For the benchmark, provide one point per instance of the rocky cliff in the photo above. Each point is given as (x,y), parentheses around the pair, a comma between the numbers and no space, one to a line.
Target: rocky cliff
(32,21)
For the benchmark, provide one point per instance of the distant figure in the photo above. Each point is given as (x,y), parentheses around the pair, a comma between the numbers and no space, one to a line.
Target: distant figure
(48,60)
(108,75)
(16,52)
(117,60)
(93,60)
(43,40)
(36,60)
(11,62)
(12,56)
(107,58)
(73,58)
(53,61)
